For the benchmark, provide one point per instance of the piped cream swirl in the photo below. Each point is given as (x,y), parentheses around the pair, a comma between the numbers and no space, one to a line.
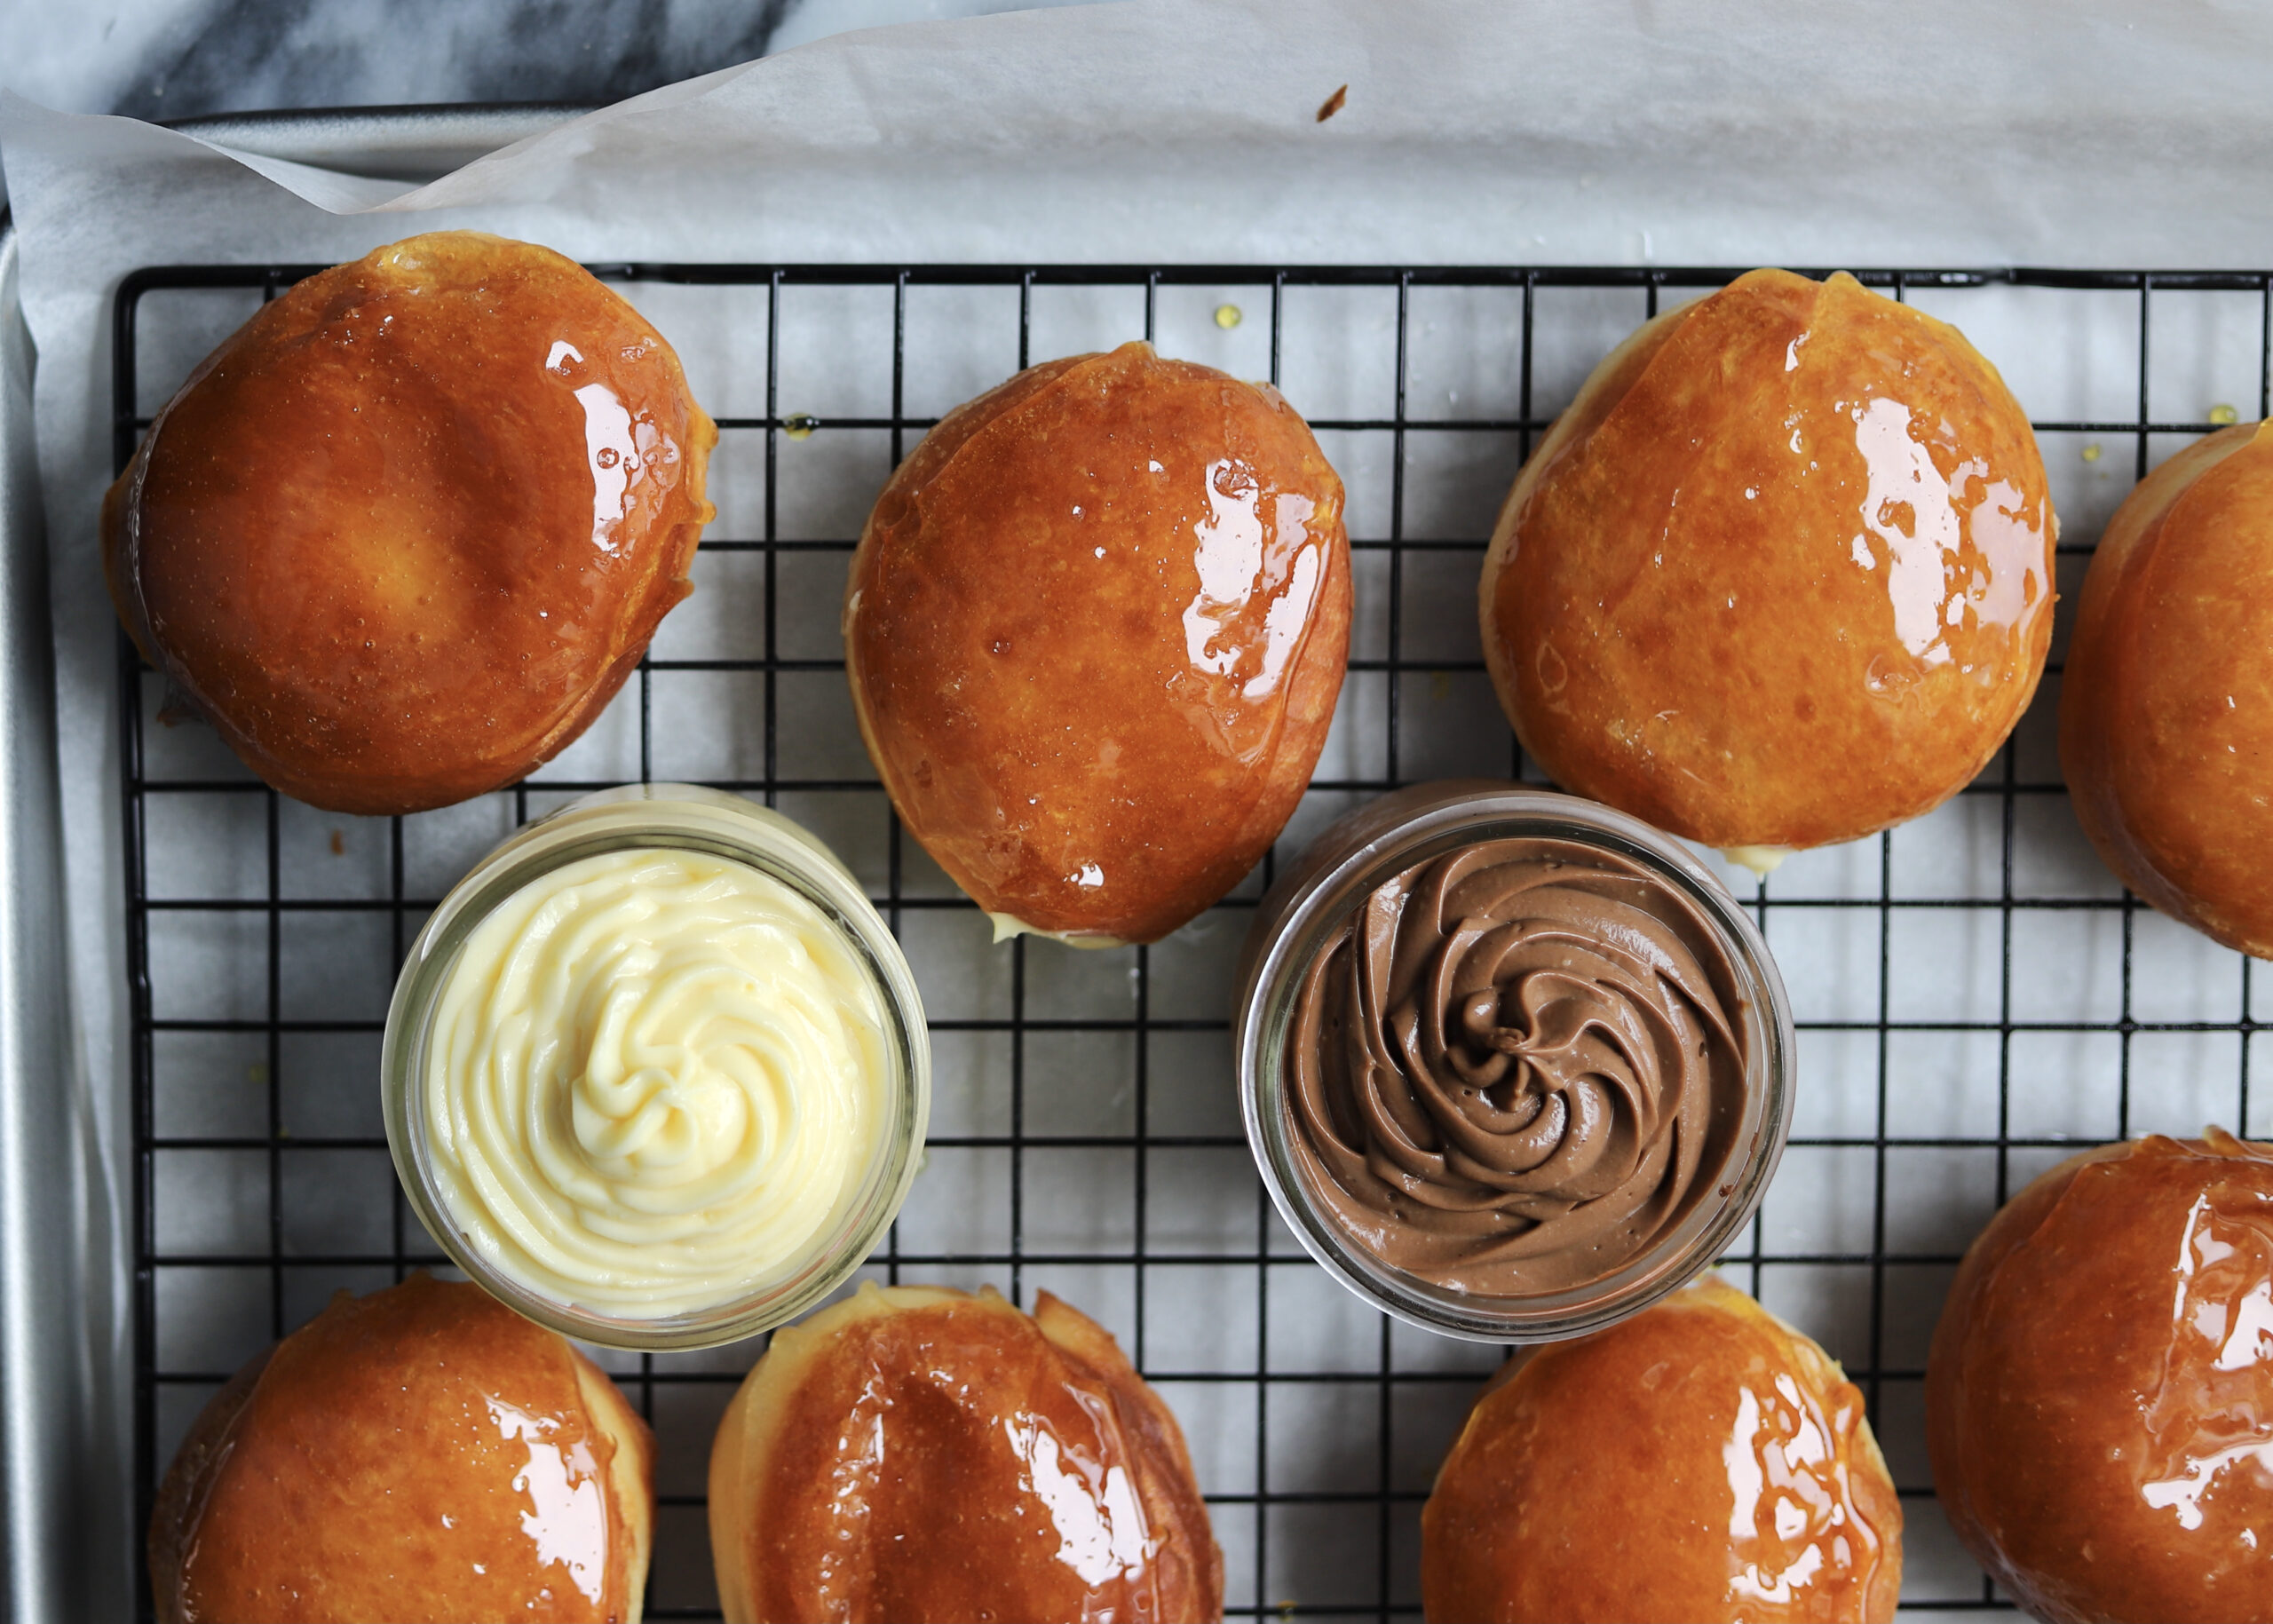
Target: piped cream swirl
(1518,1067)
(654,1081)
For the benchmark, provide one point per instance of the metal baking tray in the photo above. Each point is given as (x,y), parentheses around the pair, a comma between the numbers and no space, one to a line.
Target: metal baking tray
(1975,995)
(46,1404)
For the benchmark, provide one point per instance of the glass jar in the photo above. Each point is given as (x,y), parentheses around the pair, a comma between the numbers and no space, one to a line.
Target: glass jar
(684,818)
(1312,906)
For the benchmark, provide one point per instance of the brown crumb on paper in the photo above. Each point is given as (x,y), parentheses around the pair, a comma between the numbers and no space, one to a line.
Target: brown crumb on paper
(1332,104)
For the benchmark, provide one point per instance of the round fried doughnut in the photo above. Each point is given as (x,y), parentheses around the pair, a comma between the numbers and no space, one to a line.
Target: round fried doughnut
(2099,1394)
(1701,1461)
(1782,573)
(403,535)
(913,1455)
(1096,629)
(2167,697)
(420,1453)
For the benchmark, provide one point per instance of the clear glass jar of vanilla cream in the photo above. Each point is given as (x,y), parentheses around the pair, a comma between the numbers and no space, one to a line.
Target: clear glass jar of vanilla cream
(655,1073)
(1514,1065)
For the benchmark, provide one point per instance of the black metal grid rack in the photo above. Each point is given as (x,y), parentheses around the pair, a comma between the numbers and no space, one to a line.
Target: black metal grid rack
(258,1174)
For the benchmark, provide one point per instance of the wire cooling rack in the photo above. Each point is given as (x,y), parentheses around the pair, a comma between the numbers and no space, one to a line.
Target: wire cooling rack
(1976,997)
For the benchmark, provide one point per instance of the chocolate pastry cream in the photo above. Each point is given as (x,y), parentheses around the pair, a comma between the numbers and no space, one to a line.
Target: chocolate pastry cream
(1518,1067)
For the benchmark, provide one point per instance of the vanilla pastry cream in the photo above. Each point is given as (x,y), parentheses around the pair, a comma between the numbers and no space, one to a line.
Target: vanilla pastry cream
(654,1082)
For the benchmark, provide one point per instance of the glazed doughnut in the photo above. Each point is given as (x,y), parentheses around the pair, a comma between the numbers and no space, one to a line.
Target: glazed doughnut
(1096,628)
(404,534)
(420,1453)
(917,1456)
(2166,702)
(1700,1461)
(2099,1395)
(1782,573)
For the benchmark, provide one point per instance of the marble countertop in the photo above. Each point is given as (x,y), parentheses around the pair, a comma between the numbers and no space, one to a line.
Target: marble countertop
(180,59)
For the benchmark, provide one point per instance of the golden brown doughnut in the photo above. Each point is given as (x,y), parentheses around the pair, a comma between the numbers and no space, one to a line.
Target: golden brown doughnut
(1096,629)
(420,1453)
(1701,1461)
(918,1456)
(407,531)
(1781,575)
(2166,704)
(2099,1396)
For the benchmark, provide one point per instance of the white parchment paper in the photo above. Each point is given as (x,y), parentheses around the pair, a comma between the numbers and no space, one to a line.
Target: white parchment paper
(1673,131)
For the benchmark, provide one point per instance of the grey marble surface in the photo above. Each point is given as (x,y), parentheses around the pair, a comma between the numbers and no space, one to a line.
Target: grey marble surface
(180,59)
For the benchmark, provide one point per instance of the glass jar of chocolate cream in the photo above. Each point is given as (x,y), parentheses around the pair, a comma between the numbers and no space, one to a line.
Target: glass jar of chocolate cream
(656,1074)
(1514,1065)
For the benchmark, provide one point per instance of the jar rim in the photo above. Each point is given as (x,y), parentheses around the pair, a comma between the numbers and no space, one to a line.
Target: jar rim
(1319,891)
(665,816)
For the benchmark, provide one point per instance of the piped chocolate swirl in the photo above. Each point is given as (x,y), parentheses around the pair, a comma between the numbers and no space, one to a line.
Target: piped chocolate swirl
(1518,1067)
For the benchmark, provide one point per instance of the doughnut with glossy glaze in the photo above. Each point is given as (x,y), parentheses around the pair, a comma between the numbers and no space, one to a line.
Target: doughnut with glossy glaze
(420,1453)
(2099,1394)
(1782,573)
(2166,694)
(407,531)
(913,1454)
(1096,629)
(1699,1461)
